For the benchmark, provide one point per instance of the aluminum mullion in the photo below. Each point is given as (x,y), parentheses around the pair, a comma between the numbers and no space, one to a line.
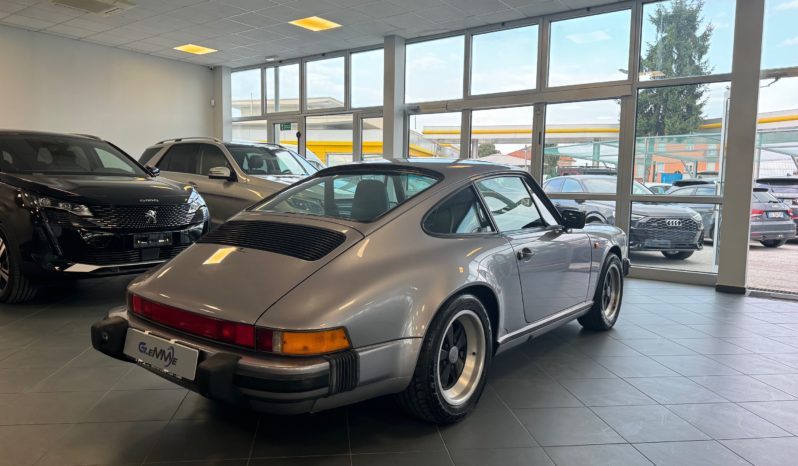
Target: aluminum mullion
(685,81)
(625,166)
(465,135)
(538,127)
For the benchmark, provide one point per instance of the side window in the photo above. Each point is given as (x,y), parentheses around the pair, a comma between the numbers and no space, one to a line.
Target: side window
(705,191)
(112,162)
(571,186)
(510,203)
(683,192)
(181,158)
(212,156)
(460,214)
(148,155)
(553,185)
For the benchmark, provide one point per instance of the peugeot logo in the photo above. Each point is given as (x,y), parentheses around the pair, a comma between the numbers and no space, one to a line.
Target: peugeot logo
(672,222)
(151,217)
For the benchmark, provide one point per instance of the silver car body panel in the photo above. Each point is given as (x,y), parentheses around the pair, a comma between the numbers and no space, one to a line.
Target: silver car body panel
(388,280)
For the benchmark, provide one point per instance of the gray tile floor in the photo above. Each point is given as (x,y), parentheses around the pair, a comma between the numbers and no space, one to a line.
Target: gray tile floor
(688,377)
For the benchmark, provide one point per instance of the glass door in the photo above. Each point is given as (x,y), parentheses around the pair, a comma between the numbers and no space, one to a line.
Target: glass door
(286,133)
(371,142)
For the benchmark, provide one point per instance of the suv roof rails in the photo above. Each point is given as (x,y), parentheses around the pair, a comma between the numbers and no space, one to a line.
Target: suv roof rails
(91,136)
(189,137)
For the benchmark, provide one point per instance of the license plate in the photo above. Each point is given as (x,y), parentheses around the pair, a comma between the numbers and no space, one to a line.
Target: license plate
(162,354)
(149,240)
(775,215)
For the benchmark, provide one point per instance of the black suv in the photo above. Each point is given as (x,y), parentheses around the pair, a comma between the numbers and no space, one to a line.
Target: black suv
(73,206)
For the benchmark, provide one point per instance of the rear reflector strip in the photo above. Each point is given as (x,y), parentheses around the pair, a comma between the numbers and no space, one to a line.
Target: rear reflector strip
(208,327)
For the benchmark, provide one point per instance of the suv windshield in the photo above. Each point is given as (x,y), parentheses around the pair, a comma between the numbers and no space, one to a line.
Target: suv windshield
(255,160)
(64,155)
(360,197)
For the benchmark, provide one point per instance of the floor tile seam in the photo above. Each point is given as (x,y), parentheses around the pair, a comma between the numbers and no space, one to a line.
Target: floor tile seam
(523,426)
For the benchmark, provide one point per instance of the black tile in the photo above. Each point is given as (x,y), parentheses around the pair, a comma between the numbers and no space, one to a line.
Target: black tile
(137,405)
(766,451)
(323,433)
(727,421)
(671,390)
(597,455)
(753,364)
(303,461)
(781,413)
(567,426)
(534,456)
(378,426)
(648,424)
(606,392)
(635,366)
(433,458)
(79,379)
(22,379)
(707,453)
(141,379)
(45,408)
(543,392)
(197,407)
(741,388)
(788,383)
(695,365)
(24,445)
(203,440)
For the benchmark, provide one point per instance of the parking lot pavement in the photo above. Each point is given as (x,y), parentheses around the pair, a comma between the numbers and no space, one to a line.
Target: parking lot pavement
(768,268)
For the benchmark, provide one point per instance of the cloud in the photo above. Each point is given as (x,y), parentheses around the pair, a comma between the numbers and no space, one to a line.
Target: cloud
(791,42)
(589,37)
(788,5)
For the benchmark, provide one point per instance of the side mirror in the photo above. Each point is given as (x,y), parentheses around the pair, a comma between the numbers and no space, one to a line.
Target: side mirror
(154,171)
(573,218)
(220,173)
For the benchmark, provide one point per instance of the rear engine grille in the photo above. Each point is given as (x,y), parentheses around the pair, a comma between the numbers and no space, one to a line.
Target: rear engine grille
(300,241)
(137,217)
(102,257)
(659,229)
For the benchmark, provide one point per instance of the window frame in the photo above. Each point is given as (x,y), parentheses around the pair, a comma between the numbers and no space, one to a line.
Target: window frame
(532,189)
(480,202)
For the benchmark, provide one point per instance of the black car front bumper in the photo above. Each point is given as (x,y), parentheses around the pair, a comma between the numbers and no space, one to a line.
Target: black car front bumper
(666,234)
(223,376)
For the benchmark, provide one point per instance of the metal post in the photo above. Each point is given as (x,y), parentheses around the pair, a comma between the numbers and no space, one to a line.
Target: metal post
(741,142)
(393,98)
(222,104)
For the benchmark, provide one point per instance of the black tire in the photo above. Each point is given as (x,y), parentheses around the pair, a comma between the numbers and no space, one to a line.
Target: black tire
(600,316)
(677,255)
(14,286)
(426,397)
(773,243)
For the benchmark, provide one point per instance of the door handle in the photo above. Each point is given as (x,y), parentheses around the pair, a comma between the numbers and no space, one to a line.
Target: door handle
(525,254)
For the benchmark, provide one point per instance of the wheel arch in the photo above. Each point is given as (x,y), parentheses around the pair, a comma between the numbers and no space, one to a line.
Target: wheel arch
(487,296)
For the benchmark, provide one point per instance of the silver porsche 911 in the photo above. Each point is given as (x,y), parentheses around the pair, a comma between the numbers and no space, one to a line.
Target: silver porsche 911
(402,277)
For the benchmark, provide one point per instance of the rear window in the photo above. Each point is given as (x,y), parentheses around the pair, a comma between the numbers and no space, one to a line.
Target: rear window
(763,197)
(360,197)
(148,155)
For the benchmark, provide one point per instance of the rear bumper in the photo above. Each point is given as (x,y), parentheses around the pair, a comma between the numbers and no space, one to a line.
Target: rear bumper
(772,230)
(272,383)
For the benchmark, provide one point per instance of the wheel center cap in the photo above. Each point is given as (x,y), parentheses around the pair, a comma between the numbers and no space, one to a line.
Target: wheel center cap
(454,354)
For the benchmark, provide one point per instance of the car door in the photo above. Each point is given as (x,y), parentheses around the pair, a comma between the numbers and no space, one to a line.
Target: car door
(225,198)
(181,163)
(553,263)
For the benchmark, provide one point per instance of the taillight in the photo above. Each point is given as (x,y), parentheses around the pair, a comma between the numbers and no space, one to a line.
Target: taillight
(757,213)
(308,343)
(223,331)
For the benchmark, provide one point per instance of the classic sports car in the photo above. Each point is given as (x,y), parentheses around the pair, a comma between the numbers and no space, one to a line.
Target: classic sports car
(369,279)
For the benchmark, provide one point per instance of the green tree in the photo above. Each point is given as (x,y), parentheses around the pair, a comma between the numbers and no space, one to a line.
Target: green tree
(680,49)
(486,149)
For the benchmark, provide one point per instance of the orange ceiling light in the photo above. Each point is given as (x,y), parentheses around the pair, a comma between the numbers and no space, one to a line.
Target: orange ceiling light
(315,23)
(195,49)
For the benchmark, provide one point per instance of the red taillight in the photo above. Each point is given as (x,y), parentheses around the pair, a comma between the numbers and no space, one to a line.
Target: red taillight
(265,339)
(755,212)
(219,330)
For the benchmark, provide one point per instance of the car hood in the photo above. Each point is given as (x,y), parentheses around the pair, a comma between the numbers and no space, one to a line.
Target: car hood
(657,210)
(245,283)
(103,190)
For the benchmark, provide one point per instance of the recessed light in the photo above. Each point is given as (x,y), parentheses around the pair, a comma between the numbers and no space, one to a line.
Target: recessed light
(195,49)
(271,58)
(315,23)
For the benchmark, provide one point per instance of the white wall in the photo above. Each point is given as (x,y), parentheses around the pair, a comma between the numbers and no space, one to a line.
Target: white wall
(50,83)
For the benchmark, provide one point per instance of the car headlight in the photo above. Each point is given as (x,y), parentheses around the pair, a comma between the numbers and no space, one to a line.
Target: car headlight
(195,201)
(44,202)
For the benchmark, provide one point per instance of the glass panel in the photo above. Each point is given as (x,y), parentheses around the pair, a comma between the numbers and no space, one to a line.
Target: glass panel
(780,42)
(285,134)
(325,83)
(686,38)
(460,214)
(371,138)
(434,70)
(669,235)
(250,131)
(504,61)
(367,78)
(330,138)
(245,92)
(777,132)
(435,135)
(510,203)
(287,99)
(590,49)
(503,135)
(679,135)
(582,139)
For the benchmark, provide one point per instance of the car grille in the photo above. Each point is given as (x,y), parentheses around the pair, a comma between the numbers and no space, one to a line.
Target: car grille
(300,241)
(104,257)
(663,230)
(136,218)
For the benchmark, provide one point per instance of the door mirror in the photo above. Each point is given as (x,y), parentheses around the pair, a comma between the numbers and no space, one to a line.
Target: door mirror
(154,171)
(573,218)
(220,173)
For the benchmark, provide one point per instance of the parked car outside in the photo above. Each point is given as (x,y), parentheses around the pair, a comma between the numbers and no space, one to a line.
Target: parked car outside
(230,175)
(76,206)
(658,188)
(674,231)
(785,189)
(409,284)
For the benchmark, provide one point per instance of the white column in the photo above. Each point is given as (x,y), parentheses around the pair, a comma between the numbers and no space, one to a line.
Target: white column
(222,104)
(393,112)
(740,146)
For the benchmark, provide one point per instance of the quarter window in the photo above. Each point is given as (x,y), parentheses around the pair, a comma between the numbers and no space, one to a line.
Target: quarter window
(510,203)
(181,158)
(460,214)
(212,157)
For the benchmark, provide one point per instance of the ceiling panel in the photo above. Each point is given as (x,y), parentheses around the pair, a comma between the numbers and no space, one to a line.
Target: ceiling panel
(246,31)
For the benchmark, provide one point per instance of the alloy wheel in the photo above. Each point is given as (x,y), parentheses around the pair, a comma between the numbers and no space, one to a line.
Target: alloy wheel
(611,294)
(5,266)
(461,357)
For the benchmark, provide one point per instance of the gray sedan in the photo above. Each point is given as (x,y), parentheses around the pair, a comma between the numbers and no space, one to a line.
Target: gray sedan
(402,277)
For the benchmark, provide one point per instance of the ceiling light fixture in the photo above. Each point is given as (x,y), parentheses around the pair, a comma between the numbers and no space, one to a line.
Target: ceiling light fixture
(271,58)
(315,23)
(195,49)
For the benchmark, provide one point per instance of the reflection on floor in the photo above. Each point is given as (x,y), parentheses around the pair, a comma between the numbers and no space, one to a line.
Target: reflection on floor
(687,377)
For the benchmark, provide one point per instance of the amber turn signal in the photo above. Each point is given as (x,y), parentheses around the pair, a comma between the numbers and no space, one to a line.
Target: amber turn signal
(310,343)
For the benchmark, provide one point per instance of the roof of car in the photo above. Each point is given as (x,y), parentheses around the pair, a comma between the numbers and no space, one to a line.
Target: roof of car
(583,177)
(793,179)
(17,132)
(449,168)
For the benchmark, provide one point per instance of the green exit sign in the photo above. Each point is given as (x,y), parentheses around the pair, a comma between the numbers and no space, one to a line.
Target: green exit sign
(285,126)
